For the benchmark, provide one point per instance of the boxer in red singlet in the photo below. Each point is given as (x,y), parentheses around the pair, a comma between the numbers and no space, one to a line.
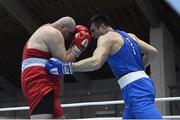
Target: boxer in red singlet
(42,90)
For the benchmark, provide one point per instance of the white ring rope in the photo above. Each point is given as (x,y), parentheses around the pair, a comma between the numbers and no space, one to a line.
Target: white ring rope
(90,104)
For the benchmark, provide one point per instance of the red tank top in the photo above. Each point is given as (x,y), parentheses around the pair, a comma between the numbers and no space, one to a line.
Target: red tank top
(34,53)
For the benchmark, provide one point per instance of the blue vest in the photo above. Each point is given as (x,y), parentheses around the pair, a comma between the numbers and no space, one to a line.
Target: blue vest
(128,58)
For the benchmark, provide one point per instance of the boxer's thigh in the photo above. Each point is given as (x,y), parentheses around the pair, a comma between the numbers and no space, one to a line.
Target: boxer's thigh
(58,110)
(45,107)
(127,113)
(149,111)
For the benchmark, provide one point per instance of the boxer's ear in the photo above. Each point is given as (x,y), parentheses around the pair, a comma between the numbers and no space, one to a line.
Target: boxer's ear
(61,26)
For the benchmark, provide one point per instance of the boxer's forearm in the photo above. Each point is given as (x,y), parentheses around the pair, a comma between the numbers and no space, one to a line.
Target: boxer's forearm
(89,64)
(145,61)
(147,58)
(70,56)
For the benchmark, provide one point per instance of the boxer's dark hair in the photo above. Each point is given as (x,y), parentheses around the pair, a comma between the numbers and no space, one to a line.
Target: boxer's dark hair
(98,19)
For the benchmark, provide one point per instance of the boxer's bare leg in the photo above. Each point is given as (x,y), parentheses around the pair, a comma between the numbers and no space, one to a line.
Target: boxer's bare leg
(41,116)
(45,116)
(62,117)
(44,109)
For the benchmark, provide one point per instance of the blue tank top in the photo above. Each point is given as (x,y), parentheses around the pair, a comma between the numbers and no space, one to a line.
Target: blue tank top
(128,58)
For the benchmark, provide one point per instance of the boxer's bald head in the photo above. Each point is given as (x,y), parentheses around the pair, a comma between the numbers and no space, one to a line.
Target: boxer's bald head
(66,25)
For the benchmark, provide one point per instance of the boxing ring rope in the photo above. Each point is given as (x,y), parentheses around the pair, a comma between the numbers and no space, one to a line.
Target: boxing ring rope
(165,99)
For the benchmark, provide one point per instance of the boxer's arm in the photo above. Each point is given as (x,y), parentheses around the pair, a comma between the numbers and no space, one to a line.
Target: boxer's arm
(99,57)
(149,51)
(55,42)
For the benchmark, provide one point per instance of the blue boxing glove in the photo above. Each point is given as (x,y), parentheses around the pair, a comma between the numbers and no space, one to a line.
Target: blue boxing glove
(57,67)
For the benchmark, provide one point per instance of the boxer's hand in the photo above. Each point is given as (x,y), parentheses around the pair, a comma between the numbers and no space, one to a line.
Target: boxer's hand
(81,41)
(56,67)
(81,28)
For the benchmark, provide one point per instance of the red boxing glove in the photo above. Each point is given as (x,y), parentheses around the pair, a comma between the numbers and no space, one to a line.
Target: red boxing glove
(81,28)
(81,41)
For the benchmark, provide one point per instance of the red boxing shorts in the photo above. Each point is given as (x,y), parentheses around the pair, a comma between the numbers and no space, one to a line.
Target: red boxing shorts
(36,83)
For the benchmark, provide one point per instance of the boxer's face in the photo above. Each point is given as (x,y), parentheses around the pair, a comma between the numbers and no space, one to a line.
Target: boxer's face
(95,32)
(67,33)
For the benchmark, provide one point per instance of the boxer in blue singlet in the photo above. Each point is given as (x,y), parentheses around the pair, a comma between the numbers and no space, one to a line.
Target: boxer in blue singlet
(123,52)
(137,88)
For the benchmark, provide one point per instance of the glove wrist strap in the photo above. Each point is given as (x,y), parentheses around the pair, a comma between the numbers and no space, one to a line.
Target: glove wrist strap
(67,68)
(76,50)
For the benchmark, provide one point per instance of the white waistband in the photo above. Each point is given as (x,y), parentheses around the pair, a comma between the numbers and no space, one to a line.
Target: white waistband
(32,62)
(130,77)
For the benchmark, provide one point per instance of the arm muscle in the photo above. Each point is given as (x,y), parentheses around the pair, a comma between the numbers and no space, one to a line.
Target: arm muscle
(99,57)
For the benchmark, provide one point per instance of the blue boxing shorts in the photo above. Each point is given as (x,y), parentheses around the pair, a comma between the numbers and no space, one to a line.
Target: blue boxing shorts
(138,92)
